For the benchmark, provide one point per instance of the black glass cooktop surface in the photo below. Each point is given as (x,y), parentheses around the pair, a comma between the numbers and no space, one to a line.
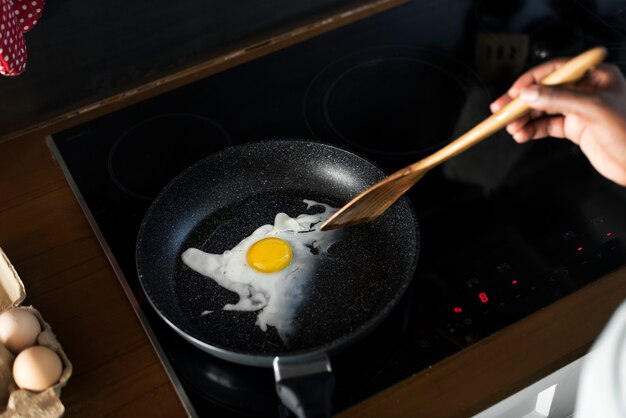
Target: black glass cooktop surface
(505,229)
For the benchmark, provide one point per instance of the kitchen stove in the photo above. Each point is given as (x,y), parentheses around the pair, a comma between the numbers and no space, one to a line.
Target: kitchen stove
(505,229)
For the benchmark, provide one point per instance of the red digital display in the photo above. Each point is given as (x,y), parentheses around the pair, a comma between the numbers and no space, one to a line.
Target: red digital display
(483,297)
(457,309)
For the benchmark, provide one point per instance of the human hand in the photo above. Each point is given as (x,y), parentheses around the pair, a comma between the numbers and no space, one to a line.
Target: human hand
(591,113)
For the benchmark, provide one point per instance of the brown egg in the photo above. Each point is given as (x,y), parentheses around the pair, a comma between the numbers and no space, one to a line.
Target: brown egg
(37,368)
(18,329)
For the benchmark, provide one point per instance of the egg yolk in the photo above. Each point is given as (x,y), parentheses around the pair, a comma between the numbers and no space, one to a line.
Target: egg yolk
(269,255)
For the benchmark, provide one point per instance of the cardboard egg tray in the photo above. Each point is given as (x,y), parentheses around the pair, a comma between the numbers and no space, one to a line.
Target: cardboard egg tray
(16,402)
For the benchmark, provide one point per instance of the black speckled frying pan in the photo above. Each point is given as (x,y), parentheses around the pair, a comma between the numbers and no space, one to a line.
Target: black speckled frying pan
(222,199)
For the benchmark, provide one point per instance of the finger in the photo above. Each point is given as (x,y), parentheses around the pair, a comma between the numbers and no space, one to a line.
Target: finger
(529,78)
(558,100)
(517,125)
(504,100)
(499,103)
(534,76)
(552,126)
(605,75)
(600,78)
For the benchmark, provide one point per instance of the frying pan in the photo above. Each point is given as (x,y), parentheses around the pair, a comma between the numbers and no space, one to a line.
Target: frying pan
(222,199)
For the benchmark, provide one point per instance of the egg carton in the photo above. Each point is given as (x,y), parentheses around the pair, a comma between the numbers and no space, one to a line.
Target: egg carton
(16,402)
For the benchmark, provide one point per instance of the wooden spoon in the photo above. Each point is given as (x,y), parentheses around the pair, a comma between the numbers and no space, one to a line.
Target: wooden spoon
(370,204)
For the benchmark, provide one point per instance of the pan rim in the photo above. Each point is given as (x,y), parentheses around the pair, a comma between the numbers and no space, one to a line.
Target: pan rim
(262,360)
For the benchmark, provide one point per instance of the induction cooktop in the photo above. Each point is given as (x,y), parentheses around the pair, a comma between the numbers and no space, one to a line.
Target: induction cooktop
(505,229)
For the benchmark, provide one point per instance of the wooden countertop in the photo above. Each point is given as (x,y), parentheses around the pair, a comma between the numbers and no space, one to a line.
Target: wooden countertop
(69,280)
(117,373)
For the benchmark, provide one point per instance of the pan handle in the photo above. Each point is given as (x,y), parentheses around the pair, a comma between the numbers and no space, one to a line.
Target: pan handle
(305,384)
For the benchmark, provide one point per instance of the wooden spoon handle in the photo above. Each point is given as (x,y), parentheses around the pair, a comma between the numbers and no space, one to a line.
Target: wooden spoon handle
(572,70)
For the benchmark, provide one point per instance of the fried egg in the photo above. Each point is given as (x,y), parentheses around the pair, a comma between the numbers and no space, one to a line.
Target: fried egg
(270,269)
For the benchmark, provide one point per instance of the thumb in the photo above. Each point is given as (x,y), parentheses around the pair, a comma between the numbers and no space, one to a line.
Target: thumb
(559,100)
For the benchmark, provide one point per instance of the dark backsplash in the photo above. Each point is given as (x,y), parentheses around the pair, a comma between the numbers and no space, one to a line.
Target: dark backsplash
(84,51)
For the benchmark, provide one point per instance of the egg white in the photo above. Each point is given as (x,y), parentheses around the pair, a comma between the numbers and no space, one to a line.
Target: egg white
(275,295)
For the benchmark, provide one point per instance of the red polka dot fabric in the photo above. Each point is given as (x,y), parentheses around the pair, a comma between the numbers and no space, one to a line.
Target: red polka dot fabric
(16,18)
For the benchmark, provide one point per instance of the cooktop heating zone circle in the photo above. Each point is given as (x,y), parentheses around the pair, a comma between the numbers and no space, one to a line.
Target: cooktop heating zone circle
(152,152)
(395,100)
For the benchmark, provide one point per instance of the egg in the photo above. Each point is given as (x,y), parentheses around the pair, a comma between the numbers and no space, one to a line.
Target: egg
(37,368)
(269,269)
(19,329)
